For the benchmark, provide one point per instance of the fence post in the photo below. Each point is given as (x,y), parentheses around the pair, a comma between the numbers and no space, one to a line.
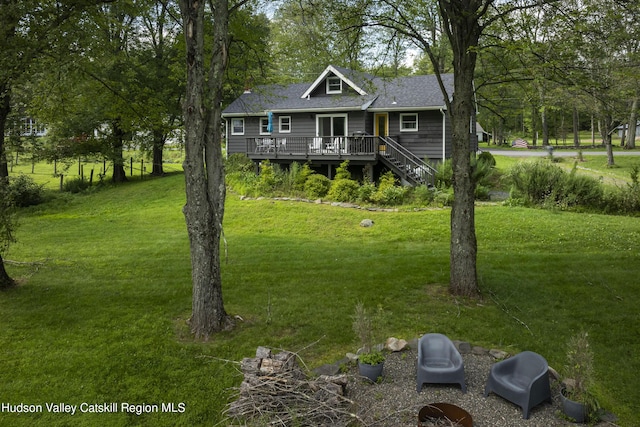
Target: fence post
(142,169)
(131,166)
(61,181)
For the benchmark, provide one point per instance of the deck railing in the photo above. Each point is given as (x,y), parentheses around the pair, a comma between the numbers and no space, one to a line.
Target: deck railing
(320,145)
(409,166)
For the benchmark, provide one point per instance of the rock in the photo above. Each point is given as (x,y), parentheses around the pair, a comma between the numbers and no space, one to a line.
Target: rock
(263,352)
(352,357)
(498,354)
(463,347)
(479,350)
(327,370)
(554,374)
(250,365)
(395,344)
(366,223)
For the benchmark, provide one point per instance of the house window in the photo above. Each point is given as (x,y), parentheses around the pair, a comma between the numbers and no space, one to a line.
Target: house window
(334,84)
(408,122)
(237,126)
(264,126)
(285,124)
(332,125)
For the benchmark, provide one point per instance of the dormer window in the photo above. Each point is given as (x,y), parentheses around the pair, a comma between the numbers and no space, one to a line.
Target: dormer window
(334,84)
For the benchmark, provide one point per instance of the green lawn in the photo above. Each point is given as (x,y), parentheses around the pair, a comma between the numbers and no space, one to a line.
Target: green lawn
(104,293)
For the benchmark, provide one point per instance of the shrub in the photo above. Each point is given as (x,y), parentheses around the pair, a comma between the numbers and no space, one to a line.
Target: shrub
(423,195)
(365,192)
(239,162)
(487,158)
(342,171)
(269,178)
(535,182)
(302,176)
(344,190)
(317,186)
(388,193)
(23,191)
(75,185)
(444,174)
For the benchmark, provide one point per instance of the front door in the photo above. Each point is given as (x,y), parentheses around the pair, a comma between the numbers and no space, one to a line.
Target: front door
(381,127)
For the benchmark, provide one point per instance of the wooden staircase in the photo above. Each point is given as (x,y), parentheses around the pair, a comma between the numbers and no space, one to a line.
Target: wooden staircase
(405,164)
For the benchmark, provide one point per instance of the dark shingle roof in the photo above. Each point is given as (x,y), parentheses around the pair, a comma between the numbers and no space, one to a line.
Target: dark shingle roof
(414,92)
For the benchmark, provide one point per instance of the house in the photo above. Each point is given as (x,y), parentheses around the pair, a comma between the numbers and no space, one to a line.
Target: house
(625,128)
(378,124)
(481,134)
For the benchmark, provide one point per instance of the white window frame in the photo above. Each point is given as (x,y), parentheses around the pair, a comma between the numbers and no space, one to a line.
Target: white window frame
(233,128)
(333,79)
(403,128)
(346,124)
(284,124)
(264,123)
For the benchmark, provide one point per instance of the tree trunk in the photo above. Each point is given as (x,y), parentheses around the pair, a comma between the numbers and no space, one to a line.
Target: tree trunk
(633,124)
(605,123)
(5,281)
(463,30)
(119,174)
(204,176)
(5,109)
(158,148)
(576,127)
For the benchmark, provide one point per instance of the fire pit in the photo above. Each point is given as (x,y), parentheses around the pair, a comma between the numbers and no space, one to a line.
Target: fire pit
(444,412)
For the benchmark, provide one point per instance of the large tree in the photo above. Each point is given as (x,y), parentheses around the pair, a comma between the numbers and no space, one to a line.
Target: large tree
(463,23)
(203,165)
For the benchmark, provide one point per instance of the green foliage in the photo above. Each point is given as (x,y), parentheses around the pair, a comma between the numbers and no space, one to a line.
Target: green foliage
(373,358)
(269,178)
(75,185)
(444,174)
(342,171)
(317,186)
(302,177)
(23,191)
(344,190)
(579,370)
(544,184)
(423,195)
(366,191)
(388,193)
(486,157)
(238,162)
(363,327)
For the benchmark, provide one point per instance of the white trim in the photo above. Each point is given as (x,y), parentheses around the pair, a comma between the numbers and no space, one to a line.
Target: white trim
(233,132)
(325,73)
(329,90)
(402,128)
(280,124)
(266,124)
(346,123)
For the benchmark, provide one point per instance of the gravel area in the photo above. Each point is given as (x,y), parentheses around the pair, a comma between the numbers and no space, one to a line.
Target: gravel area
(393,402)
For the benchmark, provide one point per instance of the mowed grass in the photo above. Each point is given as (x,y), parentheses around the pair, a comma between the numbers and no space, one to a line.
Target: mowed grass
(99,315)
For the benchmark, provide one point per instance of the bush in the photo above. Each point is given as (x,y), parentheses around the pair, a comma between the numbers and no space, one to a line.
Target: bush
(543,183)
(444,174)
(423,195)
(365,192)
(388,193)
(301,178)
(239,162)
(317,186)
(23,191)
(75,185)
(344,190)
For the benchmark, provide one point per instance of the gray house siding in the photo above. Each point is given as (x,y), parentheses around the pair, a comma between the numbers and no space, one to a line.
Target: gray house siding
(426,142)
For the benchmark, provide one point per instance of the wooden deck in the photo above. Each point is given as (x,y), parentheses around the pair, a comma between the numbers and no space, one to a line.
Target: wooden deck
(323,149)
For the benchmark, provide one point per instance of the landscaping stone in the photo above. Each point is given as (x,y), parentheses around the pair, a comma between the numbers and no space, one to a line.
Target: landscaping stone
(366,223)
(395,344)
